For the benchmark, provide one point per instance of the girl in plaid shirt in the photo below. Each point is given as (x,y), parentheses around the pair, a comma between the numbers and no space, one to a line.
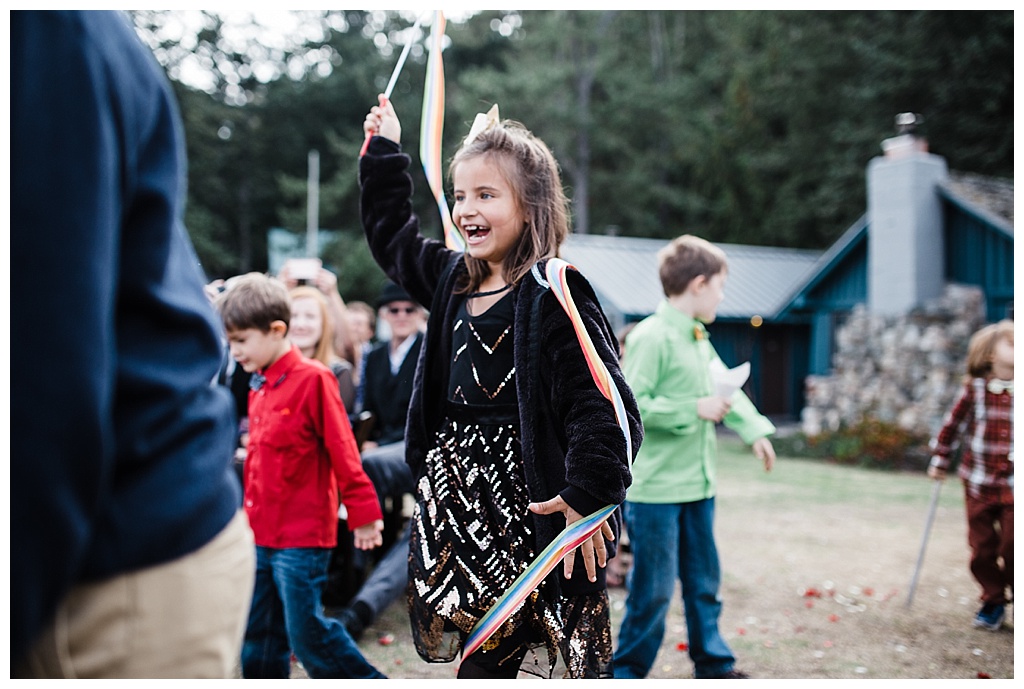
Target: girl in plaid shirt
(982,417)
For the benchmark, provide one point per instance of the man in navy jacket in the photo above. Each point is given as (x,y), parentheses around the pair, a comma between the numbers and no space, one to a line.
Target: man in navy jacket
(129,555)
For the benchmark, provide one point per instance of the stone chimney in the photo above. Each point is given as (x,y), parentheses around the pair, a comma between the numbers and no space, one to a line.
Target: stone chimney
(906,258)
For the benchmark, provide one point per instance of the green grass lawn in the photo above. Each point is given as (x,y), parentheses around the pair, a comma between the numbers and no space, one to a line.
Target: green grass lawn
(812,481)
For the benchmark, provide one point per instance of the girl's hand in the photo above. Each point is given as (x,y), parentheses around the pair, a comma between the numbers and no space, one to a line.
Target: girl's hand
(936,473)
(383,121)
(594,552)
(368,536)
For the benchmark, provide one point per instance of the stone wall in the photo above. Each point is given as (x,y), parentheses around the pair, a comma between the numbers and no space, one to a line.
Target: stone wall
(902,369)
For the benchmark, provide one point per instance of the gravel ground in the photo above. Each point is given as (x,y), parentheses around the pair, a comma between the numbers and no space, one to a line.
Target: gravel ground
(817,561)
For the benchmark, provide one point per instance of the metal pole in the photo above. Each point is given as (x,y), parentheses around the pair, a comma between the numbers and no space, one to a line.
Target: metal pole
(924,540)
(313,204)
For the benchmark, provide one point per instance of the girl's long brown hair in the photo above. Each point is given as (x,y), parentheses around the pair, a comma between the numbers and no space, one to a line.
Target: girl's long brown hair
(532,172)
(324,352)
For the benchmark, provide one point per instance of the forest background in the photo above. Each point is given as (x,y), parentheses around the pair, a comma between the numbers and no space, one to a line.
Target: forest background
(749,127)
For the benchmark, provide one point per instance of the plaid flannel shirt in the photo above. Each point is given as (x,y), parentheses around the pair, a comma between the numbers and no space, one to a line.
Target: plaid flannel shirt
(983,420)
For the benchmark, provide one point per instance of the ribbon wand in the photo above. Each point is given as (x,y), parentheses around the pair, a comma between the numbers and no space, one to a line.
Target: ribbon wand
(924,540)
(394,76)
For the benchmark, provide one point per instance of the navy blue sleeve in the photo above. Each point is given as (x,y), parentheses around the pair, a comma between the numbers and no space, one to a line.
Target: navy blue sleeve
(120,446)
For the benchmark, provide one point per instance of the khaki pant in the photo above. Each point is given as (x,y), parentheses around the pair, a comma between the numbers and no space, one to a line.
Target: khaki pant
(183,619)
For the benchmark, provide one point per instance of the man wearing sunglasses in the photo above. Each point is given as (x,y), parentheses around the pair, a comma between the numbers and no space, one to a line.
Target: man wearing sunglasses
(390,366)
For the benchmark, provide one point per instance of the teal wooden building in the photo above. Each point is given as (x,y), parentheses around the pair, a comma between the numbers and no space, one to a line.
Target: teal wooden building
(924,227)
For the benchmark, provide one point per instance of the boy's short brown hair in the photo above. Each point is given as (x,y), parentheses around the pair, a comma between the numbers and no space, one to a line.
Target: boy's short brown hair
(685,258)
(254,300)
(982,346)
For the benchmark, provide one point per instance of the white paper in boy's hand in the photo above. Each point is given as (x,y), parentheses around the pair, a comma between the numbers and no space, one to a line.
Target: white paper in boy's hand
(728,380)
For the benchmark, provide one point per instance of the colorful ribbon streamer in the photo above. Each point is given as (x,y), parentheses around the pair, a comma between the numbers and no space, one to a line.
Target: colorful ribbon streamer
(431,128)
(578,532)
(571,538)
(556,271)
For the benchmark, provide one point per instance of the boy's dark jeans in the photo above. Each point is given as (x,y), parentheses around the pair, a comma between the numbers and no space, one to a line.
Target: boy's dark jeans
(670,541)
(287,616)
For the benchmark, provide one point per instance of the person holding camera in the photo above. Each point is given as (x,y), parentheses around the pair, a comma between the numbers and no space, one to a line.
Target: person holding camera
(310,271)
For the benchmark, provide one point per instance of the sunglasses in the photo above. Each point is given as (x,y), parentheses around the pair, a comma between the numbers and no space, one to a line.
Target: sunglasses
(395,310)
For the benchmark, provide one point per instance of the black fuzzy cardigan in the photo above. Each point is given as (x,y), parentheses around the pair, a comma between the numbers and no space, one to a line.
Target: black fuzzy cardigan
(571,442)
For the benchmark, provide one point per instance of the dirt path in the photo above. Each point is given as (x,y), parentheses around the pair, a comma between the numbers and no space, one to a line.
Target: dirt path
(817,563)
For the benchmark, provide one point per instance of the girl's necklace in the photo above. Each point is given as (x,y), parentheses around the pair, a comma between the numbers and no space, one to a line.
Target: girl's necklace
(474,295)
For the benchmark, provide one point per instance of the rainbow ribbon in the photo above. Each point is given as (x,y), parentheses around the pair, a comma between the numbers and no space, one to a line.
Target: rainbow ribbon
(571,538)
(431,128)
(578,532)
(556,270)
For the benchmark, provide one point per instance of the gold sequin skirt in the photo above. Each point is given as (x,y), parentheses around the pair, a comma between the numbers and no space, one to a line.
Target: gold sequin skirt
(472,536)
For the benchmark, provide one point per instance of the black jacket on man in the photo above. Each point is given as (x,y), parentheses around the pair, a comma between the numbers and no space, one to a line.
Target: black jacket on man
(387,395)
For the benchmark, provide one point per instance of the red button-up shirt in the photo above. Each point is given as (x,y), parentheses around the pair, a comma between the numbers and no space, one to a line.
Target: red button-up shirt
(301,449)
(983,422)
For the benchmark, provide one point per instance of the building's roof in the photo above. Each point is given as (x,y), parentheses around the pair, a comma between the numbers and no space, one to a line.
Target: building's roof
(624,272)
(761,278)
(765,281)
(825,264)
(989,198)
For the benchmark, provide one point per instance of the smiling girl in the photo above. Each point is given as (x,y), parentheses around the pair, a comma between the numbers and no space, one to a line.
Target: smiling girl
(508,436)
(312,331)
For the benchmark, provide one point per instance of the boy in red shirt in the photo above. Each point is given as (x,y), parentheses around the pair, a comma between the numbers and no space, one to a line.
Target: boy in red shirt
(301,456)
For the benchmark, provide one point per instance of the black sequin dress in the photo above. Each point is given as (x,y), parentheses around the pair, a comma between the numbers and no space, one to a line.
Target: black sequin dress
(472,534)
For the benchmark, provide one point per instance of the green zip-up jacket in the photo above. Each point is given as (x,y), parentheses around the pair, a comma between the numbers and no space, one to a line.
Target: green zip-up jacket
(666,365)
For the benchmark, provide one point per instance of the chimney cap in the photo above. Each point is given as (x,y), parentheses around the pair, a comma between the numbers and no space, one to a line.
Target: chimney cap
(907,141)
(907,122)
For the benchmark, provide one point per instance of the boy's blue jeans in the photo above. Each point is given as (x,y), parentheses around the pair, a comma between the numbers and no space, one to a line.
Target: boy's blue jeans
(668,540)
(287,616)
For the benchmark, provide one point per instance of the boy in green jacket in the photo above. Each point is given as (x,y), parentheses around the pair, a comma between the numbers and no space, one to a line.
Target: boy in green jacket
(669,509)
